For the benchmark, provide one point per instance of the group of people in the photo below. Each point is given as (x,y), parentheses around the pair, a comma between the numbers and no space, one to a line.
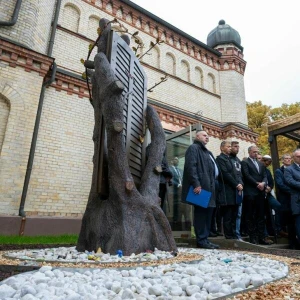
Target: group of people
(242,193)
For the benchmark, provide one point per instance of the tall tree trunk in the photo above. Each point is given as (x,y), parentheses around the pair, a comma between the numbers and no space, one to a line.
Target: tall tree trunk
(130,219)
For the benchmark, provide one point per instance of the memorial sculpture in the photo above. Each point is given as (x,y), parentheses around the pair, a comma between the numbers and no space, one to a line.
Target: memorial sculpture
(123,211)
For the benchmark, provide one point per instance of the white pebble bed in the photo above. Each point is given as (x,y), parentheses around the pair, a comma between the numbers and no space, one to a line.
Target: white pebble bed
(71,255)
(219,274)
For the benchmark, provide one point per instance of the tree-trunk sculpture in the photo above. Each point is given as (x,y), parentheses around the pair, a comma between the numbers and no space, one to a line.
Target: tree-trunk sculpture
(130,219)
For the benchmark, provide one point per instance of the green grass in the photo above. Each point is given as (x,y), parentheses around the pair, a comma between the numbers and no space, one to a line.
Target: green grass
(49,239)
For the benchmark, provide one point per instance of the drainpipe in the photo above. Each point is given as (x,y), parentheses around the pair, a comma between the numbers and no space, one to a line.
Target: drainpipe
(15,15)
(39,112)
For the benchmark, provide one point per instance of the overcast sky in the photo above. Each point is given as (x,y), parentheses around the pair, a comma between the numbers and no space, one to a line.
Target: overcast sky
(270,34)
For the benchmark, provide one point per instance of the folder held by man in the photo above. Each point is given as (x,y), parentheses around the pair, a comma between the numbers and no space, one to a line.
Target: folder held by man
(201,199)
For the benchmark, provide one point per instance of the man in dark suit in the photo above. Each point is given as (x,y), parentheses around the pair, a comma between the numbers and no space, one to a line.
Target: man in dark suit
(255,182)
(201,172)
(240,220)
(283,193)
(292,178)
(232,185)
(271,204)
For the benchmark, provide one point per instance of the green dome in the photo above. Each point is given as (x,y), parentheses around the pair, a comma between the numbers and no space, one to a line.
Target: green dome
(223,34)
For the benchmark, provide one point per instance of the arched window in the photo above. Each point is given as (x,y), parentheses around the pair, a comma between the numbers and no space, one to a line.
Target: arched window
(4,113)
(71,15)
(185,70)
(92,27)
(170,64)
(198,77)
(211,83)
(152,58)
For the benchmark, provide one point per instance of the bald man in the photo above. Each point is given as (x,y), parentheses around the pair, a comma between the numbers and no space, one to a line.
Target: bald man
(201,172)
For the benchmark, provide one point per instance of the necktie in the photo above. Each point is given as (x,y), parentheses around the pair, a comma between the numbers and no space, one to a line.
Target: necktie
(256,164)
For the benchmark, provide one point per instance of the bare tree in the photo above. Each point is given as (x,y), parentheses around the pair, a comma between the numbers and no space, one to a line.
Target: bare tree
(130,219)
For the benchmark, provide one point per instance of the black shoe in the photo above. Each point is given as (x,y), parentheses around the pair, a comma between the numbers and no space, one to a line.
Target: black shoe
(212,234)
(264,242)
(214,245)
(253,240)
(219,233)
(205,246)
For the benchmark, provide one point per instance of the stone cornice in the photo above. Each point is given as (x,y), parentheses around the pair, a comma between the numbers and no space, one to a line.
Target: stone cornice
(18,56)
(216,130)
(71,85)
(157,30)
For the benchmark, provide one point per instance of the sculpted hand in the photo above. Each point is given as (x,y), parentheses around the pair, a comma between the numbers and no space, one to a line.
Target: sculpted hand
(197,190)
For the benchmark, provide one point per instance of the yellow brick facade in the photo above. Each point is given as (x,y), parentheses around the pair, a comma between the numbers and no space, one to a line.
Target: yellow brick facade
(198,85)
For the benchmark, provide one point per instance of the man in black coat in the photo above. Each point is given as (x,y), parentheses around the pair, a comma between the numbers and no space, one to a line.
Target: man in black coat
(201,172)
(271,202)
(240,220)
(283,193)
(255,182)
(232,185)
(292,178)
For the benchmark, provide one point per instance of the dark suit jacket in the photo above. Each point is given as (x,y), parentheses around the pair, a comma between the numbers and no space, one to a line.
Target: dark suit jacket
(199,170)
(230,179)
(292,178)
(283,191)
(251,176)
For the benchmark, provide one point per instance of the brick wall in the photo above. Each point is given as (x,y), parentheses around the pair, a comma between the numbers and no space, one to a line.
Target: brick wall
(34,23)
(233,97)
(62,170)
(22,90)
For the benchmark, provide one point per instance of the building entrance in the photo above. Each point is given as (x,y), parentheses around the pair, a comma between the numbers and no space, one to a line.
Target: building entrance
(178,213)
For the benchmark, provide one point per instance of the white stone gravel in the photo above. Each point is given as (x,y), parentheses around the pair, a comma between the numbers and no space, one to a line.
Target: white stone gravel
(220,273)
(71,255)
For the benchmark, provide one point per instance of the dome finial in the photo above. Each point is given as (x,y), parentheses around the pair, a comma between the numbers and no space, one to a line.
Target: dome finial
(223,34)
